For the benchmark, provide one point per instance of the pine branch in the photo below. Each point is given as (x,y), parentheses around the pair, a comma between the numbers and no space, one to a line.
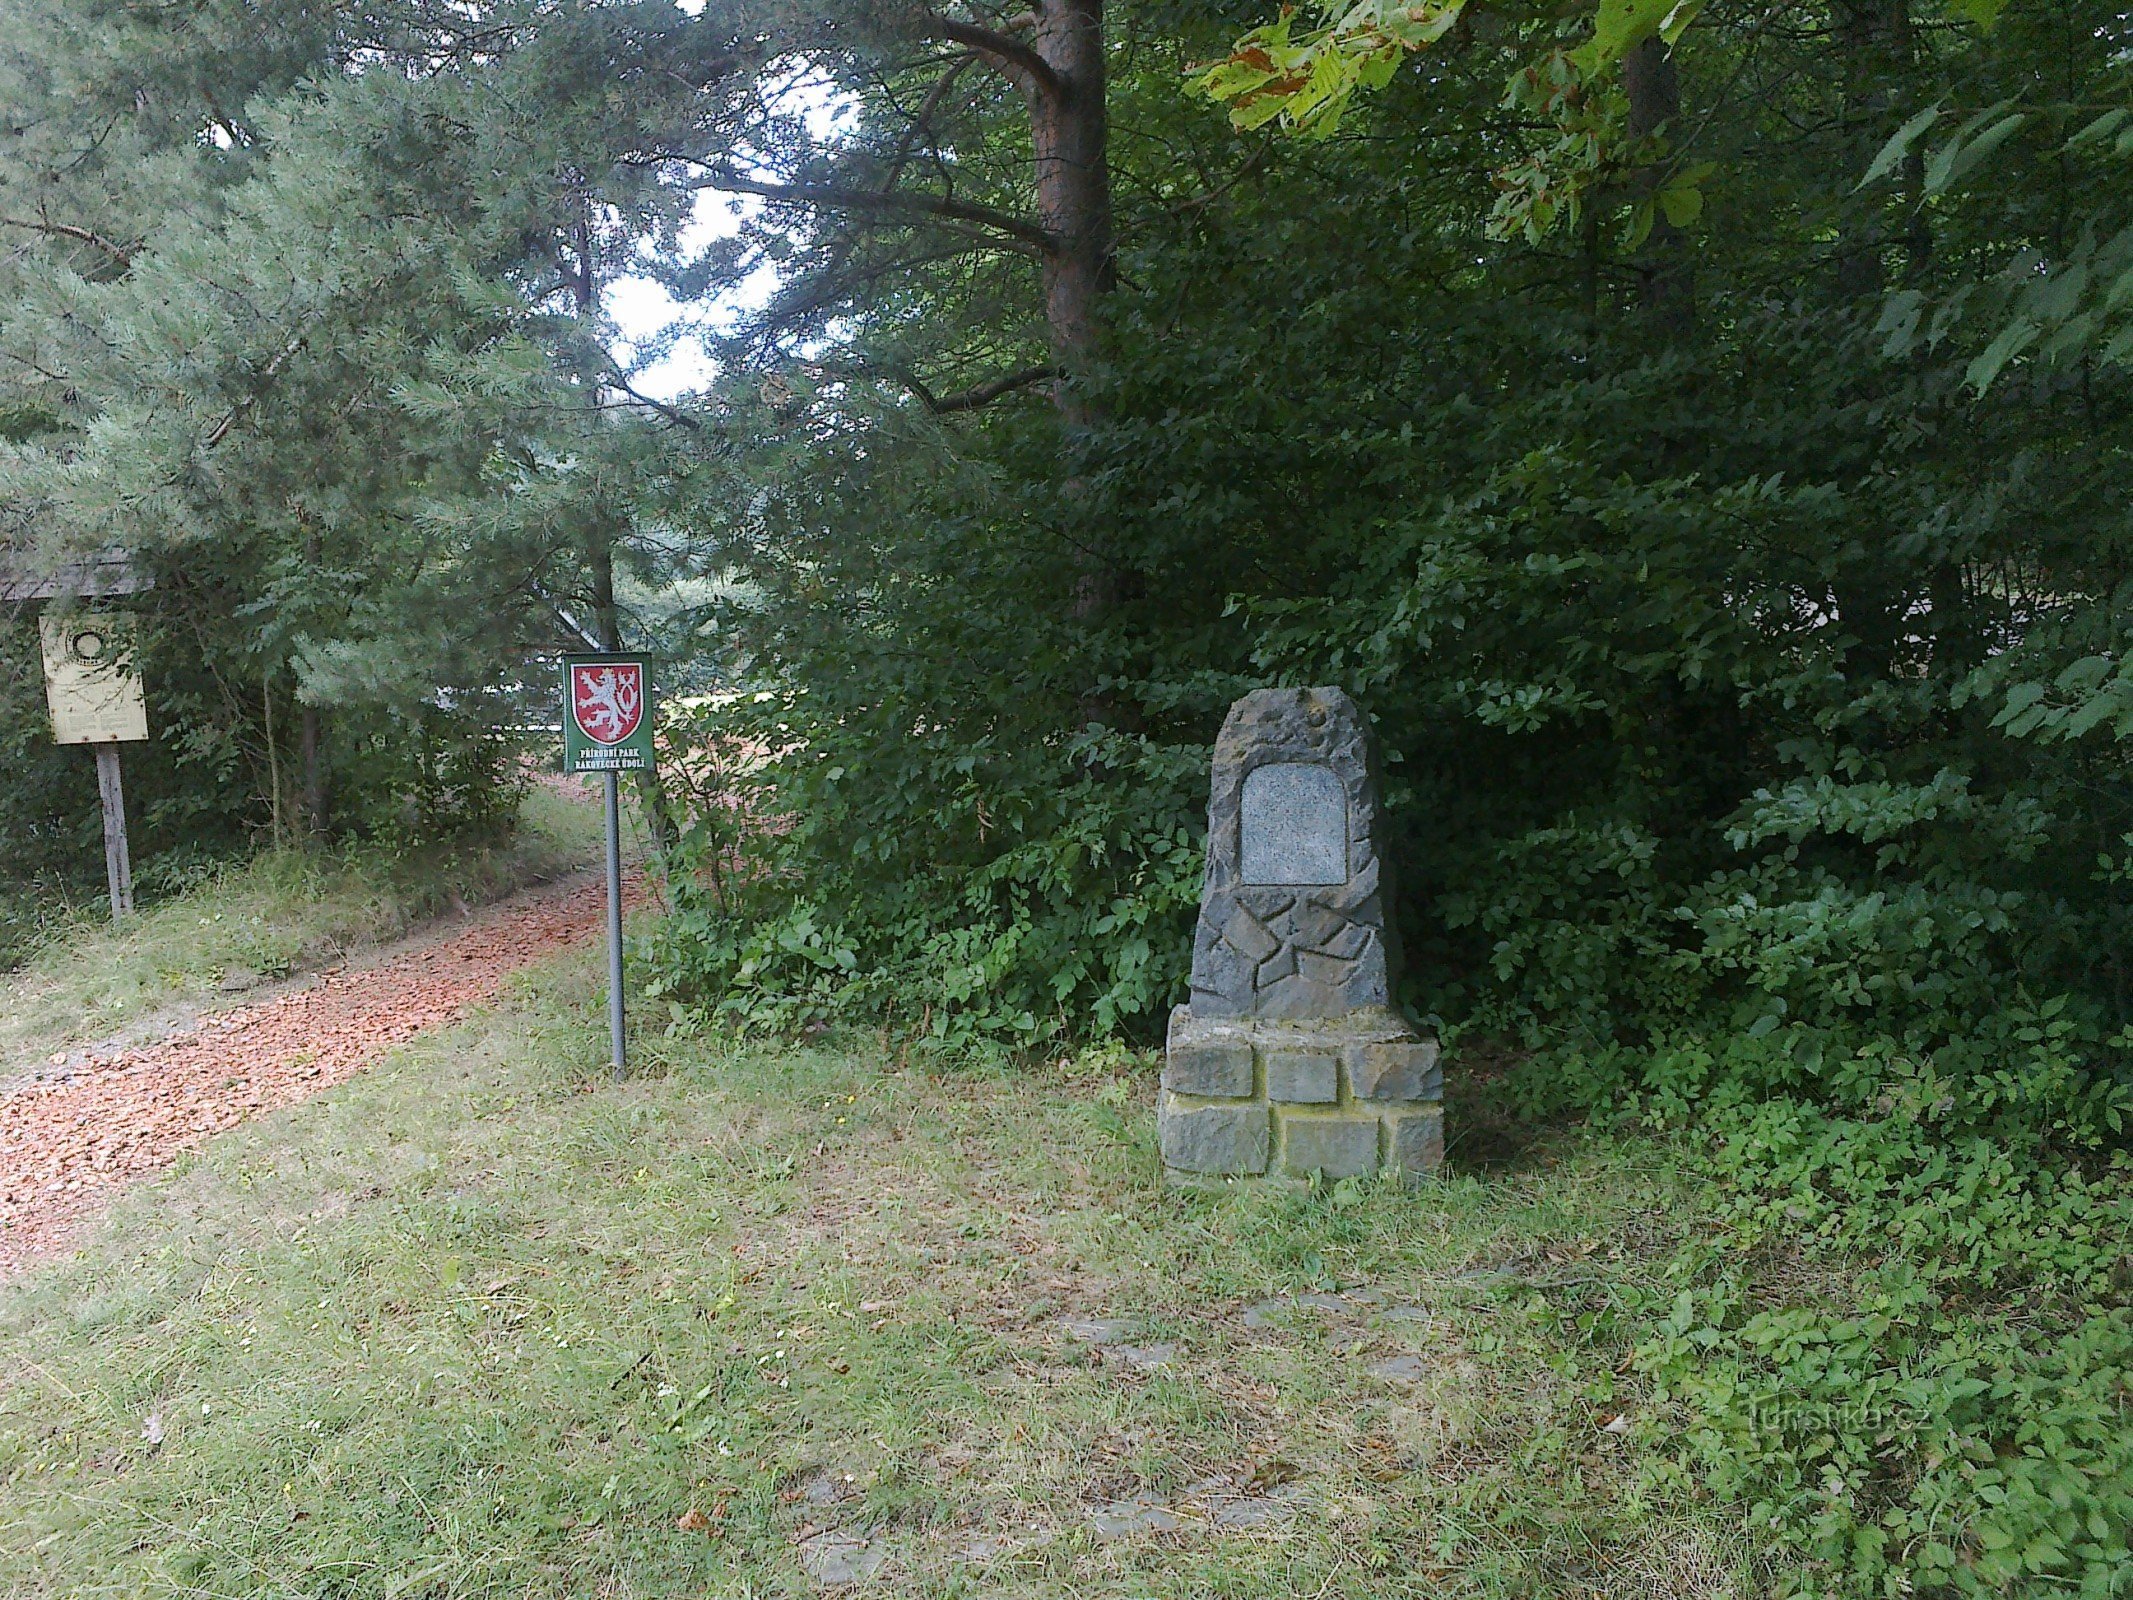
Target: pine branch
(66,230)
(922,124)
(836,198)
(1008,55)
(977,395)
(671,413)
(267,375)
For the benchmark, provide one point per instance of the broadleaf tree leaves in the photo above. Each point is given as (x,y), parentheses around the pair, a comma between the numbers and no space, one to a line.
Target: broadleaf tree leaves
(1963,153)
(1619,27)
(1677,21)
(1682,203)
(1303,82)
(1987,365)
(1899,144)
(2099,129)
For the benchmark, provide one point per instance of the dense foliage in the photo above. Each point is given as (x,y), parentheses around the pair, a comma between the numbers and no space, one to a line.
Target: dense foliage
(1744,675)
(298,316)
(1701,460)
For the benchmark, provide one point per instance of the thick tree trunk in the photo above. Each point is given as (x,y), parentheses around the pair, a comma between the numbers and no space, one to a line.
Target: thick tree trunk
(1070,135)
(600,555)
(607,620)
(1873,36)
(266,717)
(1070,131)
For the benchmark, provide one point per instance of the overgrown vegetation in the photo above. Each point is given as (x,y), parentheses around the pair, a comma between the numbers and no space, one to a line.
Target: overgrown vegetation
(1701,459)
(484,1322)
(485,1317)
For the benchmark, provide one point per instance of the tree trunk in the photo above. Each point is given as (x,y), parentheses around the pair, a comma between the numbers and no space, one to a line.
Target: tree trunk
(607,620)
(600,552)
(607,626)
(266,717)
(1665,275)
(1069,131)
(1070,136)
(1873,39)
(311,798)
(313,776)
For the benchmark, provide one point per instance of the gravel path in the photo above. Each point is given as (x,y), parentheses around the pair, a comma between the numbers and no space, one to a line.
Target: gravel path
(67,1146)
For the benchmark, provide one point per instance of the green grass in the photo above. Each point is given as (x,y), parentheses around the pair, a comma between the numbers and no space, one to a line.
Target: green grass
(484,1323)
(280,912)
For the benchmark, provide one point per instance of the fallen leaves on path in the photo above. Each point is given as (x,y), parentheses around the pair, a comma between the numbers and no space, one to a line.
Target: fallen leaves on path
(67,1146)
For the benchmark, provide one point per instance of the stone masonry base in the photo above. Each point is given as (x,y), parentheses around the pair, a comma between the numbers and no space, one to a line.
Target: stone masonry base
(1347,1096)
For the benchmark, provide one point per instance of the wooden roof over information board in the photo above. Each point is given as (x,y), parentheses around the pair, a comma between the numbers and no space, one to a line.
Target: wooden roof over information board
(108,572)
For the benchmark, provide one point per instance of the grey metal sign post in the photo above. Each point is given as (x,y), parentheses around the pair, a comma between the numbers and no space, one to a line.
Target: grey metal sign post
(607,728)
(614,922)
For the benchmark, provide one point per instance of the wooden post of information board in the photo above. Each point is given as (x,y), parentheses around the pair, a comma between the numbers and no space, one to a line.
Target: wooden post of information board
(118,864)
(95,699)
(94,695)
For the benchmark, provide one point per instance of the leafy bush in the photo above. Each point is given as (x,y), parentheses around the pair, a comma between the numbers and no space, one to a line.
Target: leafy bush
(1938,1405)
(1030,900)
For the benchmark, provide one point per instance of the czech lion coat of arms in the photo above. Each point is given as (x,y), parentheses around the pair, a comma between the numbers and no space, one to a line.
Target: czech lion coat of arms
(607,700)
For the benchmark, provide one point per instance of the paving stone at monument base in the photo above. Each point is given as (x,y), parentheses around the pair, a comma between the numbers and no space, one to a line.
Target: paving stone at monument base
(1325,1302)
(1303,1077)
(1283,1312)
(1393,1069)
(1140,1514)
(1415,1141)
(827,1487)
(1294,967)
(1138,1357)
(1401,1370)
(1098,1330)
(836,1559)
(1226,1505)
(991,1546)
(1214,1139)
(1277,1506)
(1218,1065)
(1333,1146)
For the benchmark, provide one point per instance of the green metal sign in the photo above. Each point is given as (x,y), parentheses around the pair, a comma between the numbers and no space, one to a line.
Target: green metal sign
(607,714)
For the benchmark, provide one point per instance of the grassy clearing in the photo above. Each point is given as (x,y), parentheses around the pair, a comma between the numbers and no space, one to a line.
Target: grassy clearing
(280,912)
(484,1323)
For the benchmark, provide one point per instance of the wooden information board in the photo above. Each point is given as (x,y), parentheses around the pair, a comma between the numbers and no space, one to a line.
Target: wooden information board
(94,696)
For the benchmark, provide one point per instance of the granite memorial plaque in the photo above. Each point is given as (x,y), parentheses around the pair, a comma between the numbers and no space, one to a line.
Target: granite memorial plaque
(1292,823)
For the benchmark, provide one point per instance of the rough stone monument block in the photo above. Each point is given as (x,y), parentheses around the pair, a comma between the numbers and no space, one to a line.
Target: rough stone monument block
(1290,1058)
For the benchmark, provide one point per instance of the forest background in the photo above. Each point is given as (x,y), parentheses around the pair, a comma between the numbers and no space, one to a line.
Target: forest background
(1695,434)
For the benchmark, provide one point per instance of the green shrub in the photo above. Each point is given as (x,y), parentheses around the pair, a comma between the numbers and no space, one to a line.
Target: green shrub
(1034,899)
(1932,1398)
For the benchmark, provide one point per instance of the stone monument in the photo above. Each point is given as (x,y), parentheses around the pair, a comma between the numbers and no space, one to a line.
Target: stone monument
(1290,1058)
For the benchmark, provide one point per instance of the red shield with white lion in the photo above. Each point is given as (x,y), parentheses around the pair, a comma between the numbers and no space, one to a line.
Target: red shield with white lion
(607,699)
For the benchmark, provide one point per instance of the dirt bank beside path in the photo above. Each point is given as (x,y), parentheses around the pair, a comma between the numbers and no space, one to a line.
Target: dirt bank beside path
(66,1146)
